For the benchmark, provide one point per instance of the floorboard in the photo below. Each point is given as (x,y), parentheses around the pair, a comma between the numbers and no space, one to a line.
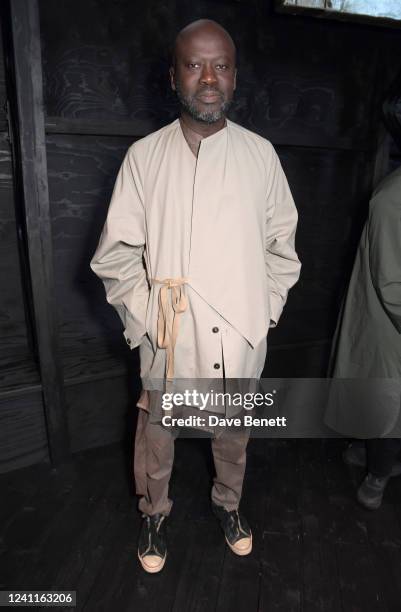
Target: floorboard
(314,548)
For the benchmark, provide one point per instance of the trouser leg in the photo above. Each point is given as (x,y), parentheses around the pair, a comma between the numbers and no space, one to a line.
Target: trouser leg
(229,454)
(153,463)
(382,453)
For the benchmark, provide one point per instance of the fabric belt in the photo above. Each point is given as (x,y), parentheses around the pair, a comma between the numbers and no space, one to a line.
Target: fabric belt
(171,306)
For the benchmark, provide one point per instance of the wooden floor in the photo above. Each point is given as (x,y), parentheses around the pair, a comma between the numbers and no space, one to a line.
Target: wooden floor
(315,549)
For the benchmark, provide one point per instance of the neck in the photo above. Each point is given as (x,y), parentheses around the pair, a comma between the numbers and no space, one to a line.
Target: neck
(200,127)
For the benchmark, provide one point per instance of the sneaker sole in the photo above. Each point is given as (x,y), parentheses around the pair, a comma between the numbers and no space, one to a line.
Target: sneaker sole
(152,570)
(369,506)
(241,553)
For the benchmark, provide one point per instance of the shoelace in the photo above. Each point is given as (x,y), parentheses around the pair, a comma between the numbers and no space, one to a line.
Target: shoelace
(156,524)
(233,517)
(151,523)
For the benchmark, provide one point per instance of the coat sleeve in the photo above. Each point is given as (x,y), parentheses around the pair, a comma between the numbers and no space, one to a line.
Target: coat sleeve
(118,260)
(282,263)
(385,255)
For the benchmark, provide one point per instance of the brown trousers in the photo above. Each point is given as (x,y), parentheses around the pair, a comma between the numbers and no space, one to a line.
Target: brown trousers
(153,463)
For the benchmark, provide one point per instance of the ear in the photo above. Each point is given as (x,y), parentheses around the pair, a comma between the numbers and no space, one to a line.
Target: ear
(172,77)
(235,79)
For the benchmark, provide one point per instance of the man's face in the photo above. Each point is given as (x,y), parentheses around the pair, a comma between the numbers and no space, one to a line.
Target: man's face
(204,77)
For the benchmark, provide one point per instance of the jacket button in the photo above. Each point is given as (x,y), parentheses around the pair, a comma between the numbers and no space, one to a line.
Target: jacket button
(216,366)
(128,340)
(215,330)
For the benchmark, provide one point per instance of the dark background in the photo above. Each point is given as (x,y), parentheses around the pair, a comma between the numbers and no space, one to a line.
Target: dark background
(313,88)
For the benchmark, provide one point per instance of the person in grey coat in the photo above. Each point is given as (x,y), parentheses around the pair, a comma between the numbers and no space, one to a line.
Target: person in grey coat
(367,346)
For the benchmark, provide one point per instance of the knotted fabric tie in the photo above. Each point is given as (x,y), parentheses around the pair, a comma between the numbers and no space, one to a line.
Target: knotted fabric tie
(169,317)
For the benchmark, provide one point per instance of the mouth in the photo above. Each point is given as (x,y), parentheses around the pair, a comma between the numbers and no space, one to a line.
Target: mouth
(209,97)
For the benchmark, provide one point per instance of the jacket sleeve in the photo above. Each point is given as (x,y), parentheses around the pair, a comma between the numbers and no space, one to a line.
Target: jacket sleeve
(118,259)
(282,263)
(385,255)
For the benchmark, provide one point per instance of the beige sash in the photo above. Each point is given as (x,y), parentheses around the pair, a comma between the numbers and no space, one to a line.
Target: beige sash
(170,309)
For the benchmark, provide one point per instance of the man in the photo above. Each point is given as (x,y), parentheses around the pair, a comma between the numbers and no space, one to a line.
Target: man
(368,346)
(206,204)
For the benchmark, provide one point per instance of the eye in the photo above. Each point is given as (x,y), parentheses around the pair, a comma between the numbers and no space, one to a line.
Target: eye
(222,66)
(193,65)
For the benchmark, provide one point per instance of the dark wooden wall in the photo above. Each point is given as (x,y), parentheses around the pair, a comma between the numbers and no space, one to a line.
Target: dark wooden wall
(22,420)
(313,88)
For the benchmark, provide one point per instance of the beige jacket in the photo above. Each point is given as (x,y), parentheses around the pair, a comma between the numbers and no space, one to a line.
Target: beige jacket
(222,226)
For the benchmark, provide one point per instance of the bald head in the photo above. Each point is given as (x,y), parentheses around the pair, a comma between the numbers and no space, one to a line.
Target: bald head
(204,29)
(203,73)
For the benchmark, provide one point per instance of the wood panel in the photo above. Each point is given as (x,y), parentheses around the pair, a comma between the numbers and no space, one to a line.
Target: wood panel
(27,67)
(3,92)
(22,428)
(101,73)
(302,360)
(331,213)
(82,172)
(13,330)
(23,438)
(19,373)
(316,90)
(101,412)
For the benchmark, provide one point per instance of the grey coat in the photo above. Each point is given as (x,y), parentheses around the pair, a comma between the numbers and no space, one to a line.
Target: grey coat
(367,344)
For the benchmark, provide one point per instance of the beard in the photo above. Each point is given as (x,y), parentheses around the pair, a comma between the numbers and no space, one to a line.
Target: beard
(189,104)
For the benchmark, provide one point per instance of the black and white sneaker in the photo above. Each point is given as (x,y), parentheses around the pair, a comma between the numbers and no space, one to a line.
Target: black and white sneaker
(236,529)
(370,493)
(152,547)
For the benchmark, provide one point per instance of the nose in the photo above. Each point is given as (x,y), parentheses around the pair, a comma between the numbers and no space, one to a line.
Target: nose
(208,75)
